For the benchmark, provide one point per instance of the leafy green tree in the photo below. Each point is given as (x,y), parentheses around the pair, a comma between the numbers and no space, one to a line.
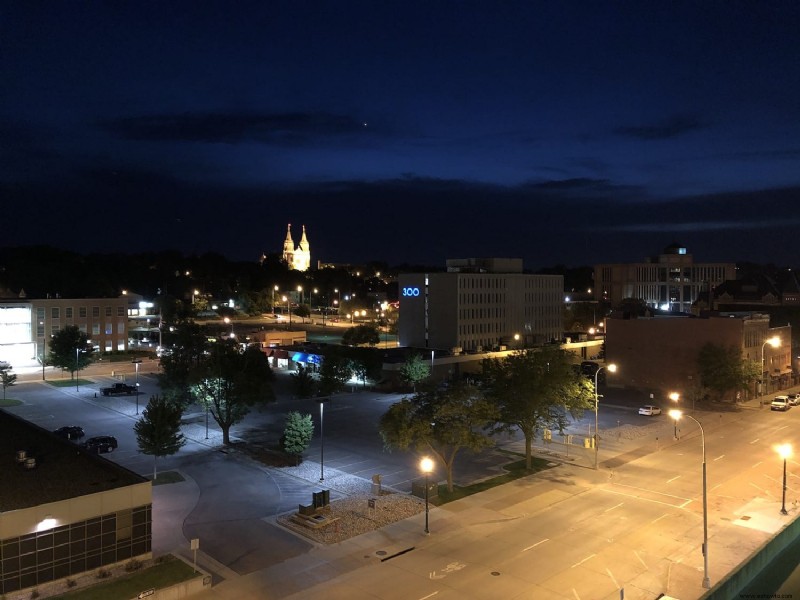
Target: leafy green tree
(361,334)
(440,421)
(535,390)
(158,431)
(365,363)
(7,379)
(303,382)
(229,382)
(414,370)
(335,371)
(297,434)
(724,370)
(68,350)
(303,311)
(188,349)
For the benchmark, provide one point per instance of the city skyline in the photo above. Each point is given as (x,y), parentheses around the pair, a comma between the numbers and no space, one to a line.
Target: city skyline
(576,133)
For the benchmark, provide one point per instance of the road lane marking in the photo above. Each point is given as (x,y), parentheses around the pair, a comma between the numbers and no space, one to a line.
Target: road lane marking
(755,440)
(613,507)
(536,544)
(758,488)
(574,593)
(755,465)
(779,428)
(577,564)
(645,499)
(720,485)
(640,560)
(429,596)
(673,479)
(633,487)
(610,574)
(659,518)
(721,456)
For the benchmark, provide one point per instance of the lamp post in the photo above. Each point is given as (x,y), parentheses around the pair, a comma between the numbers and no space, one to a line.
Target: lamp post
(774,341)
(426,466)
(300,291)
(675,396)
(785,451)
(274,289)
(288,309)
(612,368)
(322,402)
(77,368)
(136,364)
(229,322)
(676,414)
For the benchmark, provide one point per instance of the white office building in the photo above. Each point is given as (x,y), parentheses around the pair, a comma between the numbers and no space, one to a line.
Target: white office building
(480,305)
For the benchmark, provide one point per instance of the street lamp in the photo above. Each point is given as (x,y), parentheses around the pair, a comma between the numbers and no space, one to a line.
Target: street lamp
(274,289)
(322,402)
(300,291)
(676,414)
(612,368)
(77,368)
(426,466)
(136,363)
(288,309)
(784,451)
(228,321)
(774,341)
(675,396)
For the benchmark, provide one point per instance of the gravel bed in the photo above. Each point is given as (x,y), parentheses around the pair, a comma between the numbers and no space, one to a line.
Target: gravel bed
(353,513)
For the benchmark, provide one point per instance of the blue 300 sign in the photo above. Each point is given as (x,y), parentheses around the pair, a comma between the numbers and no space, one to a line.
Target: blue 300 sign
(411,291)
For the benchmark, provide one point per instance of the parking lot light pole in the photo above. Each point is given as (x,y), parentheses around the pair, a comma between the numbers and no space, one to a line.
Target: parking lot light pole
(322,402)
(677,414)
(136,363)
(612,368)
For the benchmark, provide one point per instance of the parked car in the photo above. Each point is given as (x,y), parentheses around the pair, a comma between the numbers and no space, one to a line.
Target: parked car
(649,410)
(117,389)
(71,432)
(101,443)
(794,399)
(780,403)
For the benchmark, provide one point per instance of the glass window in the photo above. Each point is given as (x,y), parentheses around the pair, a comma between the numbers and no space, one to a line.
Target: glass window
(109,328)
(95,328)
(95,311)
(40,314)
(54,312)
(108,311)
(82,312)
(120,311)
(68,312)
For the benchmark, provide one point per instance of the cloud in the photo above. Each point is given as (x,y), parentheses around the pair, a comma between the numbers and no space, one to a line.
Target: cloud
(285,129)
(671,127)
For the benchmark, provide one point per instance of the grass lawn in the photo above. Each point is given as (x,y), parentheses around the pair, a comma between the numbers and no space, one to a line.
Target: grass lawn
(68,382)
(4,402)
(168,477)
(169,572)
(515,470)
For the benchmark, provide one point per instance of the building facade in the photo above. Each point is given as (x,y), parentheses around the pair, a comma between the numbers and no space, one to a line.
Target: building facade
(27,325)
(672,281)
(659,354)
(479,305)
(297,258)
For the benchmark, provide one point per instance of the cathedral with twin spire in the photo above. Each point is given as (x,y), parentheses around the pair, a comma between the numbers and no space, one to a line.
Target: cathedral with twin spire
(297,258)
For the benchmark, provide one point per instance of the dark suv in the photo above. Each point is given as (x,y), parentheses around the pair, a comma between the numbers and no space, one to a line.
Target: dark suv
(71,432)
(101,443)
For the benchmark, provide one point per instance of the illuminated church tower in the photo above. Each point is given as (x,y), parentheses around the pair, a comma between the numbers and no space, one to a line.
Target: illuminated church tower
(298,258)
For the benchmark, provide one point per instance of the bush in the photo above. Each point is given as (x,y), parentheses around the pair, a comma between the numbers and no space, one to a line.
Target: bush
(133,565)
(71,583)
(103,574)
(34,594)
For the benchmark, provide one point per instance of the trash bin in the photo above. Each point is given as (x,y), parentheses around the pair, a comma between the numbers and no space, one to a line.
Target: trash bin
(376,485)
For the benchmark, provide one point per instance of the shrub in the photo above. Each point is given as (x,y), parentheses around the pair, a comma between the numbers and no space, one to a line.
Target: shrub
(103,574)
(133,565)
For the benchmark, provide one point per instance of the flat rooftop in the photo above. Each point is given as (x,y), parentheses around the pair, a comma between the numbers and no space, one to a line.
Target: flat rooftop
(63,470)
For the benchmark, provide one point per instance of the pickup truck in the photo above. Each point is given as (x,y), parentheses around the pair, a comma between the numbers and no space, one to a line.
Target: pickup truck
(117,389)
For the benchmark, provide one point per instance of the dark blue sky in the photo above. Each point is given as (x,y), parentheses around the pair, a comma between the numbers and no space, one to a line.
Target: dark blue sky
(561,132)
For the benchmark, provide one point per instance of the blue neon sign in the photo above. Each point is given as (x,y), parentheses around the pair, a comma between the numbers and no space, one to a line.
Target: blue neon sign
(410,292)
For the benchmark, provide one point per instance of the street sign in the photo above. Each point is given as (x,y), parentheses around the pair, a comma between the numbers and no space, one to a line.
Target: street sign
(146,593)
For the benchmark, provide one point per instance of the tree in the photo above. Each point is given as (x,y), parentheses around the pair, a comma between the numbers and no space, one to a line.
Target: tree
(303,382)
(229,382)
(334,372)
(361,334)
(414,370)
(189,349)
(535,390)
(68,350)
(158,431)
(303,311)
(297,434)
(365,363)
(723,369)
(440,421)
(7,379)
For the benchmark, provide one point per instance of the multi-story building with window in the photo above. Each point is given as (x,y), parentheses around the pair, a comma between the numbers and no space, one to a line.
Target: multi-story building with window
(478,305)
(671,281)
(26,325)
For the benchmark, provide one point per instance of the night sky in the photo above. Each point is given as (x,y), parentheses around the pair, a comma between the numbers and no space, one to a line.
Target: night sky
(560,132)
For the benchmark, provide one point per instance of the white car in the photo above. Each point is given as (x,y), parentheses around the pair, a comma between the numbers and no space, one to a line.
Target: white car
(649,410)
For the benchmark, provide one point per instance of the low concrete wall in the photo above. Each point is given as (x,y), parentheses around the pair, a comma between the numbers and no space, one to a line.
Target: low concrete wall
(736,581)
(185,589)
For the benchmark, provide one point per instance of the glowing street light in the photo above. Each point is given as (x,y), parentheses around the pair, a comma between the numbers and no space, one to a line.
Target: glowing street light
(426,466)
(675,396)
(288,309)
(775,342)
(676,414)
(612,368)
(784,451)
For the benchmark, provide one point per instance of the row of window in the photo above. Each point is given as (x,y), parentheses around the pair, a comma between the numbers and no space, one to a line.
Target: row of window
(108,328)
(37,558)
(55,312)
